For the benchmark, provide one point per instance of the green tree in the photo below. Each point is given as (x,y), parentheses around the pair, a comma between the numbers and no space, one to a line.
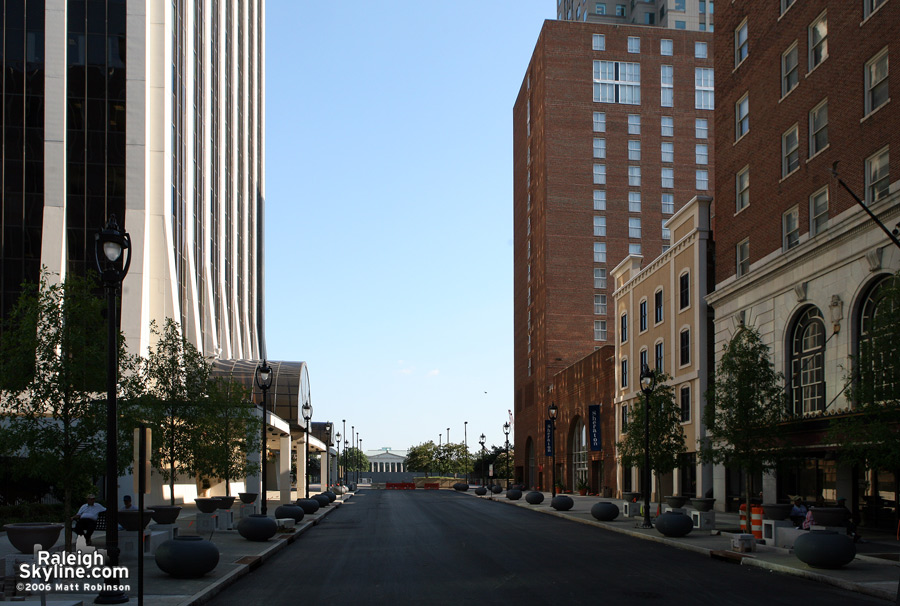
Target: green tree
(422,457)
(52,374)
(667,442)
(353,459)
(744,409)
(177,378)
(232,432)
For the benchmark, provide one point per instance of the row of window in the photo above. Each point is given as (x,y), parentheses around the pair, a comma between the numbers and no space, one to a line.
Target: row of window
(634,201)
(666,124)
(684,400)
(667,151)
(666,47)
(620,82)
(684,301)
(684,356)
(667,177)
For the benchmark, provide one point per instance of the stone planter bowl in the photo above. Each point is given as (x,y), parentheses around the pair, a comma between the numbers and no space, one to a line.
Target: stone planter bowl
(777,511)
(331,496)
(824,548)
(496,489)
(703,504)
(672,524)
(257,527)
(225,502)
(513,494)
(534,497)
(562,503)
(605,511)
(830,516)
(309,506)
(290,511)
(165,514)
(676,501)
(187,557)
(130,519)
(207,505)
(25,535)
(247,497)
(481,491)
(323,500)
(631,496)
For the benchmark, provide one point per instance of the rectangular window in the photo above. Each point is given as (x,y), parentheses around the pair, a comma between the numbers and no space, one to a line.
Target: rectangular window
(685,347)
(634,201)
(599,148)
(870,6)
(666,232)
(877,81)
(600,226)
(685,404)
(700,50)
(624,418)
(684,290)
(620,10)
(741,47)
(790,70)
(667,125)
(634,176)
(701,153)
(668,177)
(786,4)
(742,257)
(624,373)
(599,122)
(877,176)
(599,174)
(634,44)
(600,278)
(600,305)
(668,151)
(598,42)
(642,315)
(634,150)
(704,87)
(643,360)
(634,227)
(634,124)
(600,8)
(599,199)
(659,362)
(818,128)
(599,252)
(649,18)
(679,5)
(818,211)
(668,203)
(818,41)
(742,184)
(617,82)
(623,328)
(667,81)
(790,224)
(665,47)
(702,9)
(634,249)
(741,117)
(658,307)
(599,330)
(680,24)
(701,128)
(790,151)
(702,179)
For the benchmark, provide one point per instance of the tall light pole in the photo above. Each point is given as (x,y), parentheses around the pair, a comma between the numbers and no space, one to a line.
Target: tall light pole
(343,477)
(506,431)
(347,460)
(481,441)
(263,381)
(552,412)
(340,480)
(306,411)
(110,243)
(466,444)
(359,458)
(353,441)
(648,382)
(440,455)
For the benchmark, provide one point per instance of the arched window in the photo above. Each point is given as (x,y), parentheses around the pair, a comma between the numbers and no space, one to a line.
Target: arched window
(808,363)
(579,453)
(877,371)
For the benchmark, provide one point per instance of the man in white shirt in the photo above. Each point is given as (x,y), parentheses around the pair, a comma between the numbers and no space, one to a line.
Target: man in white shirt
(86,518)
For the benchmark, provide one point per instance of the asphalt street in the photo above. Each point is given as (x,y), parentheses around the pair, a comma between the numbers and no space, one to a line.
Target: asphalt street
(441,547)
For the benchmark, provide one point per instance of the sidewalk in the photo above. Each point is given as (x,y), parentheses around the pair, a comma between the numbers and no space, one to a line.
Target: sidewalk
(870,573)
(237,557)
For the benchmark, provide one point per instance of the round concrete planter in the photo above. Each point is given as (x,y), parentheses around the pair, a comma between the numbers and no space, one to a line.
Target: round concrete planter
(323,500)
(187,556)
(777,511)
(605,511)
(513,494)
(165,514)
(247,497)
(631,496)
(481,491)
(703,504)
(290,510)
(830,516)
(257,527)
(352,486)
(331,496)
(309,506)
(824,548)
(207,505)
(496,489)
(676,501)
(461,486)
(225,502)
(562,503)
(673,524)
(25,535)
(130,519)
(534,497)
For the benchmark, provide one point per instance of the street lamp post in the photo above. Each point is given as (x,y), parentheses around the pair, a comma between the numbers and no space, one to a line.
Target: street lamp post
(648,383)
(553,411)
(110,245)
(466,444)
(264,382)
(506,431)
(306,411)
(359,458)
(347,460)
(340,478)
(481,441)
(344,476)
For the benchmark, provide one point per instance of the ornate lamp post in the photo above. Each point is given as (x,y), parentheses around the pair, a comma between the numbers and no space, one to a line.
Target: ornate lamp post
(648,383)
(359,458)
(344,476)
(306,411)
(552,412)
(481,441)
(340,477)
(264,382)
(506,432)
(110,246)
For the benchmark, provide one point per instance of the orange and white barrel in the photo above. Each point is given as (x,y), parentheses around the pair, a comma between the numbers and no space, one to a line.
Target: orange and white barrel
(756,522)
(743,509)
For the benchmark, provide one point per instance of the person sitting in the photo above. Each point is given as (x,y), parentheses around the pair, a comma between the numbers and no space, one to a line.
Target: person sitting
(849,523)
(86,518)
(127,504)
(808,521)
(798,512)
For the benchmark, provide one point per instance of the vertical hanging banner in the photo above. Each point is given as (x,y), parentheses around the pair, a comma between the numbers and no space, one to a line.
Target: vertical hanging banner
(594,425)
(548,438)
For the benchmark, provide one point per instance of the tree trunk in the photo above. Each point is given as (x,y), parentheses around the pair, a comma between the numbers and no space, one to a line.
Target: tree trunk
(67,516)
(747,498)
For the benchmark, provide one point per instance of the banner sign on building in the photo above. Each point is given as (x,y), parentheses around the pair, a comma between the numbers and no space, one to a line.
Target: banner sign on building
(548,437)
(594,425)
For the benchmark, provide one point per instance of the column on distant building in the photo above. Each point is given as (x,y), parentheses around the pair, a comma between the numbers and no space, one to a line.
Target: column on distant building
(284,470)
(324,466)
(301,466)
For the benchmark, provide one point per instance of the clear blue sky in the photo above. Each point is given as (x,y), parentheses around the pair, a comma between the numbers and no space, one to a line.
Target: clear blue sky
(389,209)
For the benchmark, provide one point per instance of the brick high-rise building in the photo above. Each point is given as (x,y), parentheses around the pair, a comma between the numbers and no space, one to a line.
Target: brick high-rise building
(695,15)
(612,134)
(802,88)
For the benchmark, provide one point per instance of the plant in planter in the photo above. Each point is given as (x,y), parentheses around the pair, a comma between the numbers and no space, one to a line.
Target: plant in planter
(560,487)
(582,487)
